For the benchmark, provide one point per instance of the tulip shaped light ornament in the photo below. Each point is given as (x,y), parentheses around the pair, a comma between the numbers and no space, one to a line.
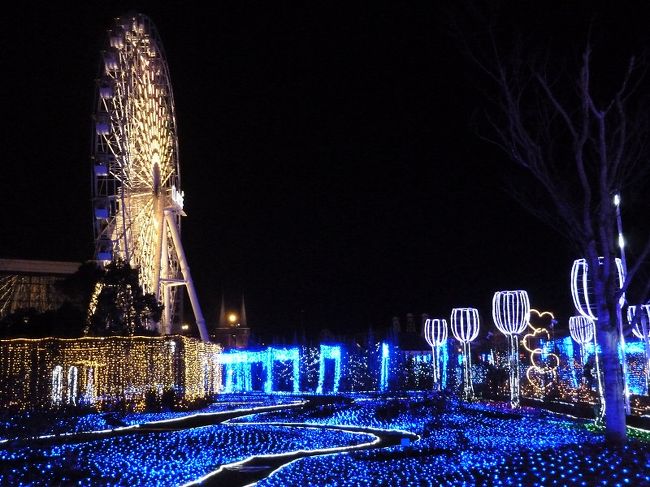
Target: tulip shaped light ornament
(583,331)
(584,299)
(435,332)
(511,314)
(465,324)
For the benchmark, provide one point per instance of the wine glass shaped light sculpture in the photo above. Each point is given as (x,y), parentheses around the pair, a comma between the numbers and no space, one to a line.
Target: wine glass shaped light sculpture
(511,314)
(465,324)
(584,299)
(435,333)
(583,331)
(582,290)
(639,318)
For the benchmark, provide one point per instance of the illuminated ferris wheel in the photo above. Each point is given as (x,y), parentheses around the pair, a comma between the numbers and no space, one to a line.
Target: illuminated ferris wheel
(137,199)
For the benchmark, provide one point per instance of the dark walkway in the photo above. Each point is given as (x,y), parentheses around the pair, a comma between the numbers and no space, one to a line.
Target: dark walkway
(186,422)
(256,468)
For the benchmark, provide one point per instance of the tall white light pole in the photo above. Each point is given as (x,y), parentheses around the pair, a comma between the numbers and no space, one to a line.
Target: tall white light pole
(619,315)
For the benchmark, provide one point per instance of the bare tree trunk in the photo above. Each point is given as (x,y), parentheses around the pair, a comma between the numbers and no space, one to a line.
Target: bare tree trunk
(613,376)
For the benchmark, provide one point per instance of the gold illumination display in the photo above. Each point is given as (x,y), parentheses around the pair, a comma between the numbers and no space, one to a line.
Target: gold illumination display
(541,374)
(232,318)
(102,372)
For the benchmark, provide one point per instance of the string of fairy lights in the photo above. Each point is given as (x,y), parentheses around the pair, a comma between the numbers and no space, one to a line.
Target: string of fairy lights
(103,371)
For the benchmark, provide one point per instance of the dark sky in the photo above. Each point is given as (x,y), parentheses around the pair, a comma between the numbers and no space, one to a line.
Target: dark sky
(329,168)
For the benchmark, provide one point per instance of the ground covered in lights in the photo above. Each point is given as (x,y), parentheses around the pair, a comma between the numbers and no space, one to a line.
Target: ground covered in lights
(460,443)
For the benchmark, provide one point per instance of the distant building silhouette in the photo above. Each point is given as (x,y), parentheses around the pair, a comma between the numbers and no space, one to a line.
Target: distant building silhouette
(410,339)
(232,330)
(32,284)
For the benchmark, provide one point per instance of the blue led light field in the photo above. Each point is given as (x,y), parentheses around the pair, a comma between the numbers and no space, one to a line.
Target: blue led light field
(167,458)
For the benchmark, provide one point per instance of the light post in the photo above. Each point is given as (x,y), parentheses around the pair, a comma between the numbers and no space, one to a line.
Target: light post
(621,245)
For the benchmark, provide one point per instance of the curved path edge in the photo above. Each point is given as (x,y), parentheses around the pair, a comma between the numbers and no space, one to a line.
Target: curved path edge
(251,470)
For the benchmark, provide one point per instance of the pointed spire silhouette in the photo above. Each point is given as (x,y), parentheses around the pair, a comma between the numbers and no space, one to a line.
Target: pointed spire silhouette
(242,314)
(222,314)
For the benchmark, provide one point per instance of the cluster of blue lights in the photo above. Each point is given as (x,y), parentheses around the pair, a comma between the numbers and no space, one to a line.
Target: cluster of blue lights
(332,353)
(572,365)
(465,446)
(239,376)
(385,367)
(166,458)
(47,423)
(461,443)
(43,423)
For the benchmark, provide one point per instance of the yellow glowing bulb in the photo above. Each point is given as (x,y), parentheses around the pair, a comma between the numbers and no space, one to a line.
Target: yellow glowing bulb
(232,317)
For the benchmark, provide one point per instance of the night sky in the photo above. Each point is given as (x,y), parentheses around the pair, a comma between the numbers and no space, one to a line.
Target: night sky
(328,157)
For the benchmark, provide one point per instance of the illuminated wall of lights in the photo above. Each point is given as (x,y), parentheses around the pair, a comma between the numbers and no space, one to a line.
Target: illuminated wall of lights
(329,352)
(104,371)
(570,377)
(385,361)
(238,364)
(274,355)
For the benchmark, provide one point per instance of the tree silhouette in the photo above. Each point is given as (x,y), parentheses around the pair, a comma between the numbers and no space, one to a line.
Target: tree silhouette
(120,305)
(581,133)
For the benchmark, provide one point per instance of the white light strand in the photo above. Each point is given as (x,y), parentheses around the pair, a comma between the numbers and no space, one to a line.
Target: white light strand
(640,321)
(465,325)
(511,314)
(511,311)
(435,333)
(582,287)
(582,293)
(581,329)
(639,326)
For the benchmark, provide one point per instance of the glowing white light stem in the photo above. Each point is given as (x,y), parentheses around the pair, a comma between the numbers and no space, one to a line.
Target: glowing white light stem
(582,294)
(601,392)
(511,314)
(639,317)
(435,333)
(465,325)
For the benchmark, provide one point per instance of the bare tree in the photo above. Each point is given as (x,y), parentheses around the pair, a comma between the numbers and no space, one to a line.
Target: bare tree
(582,145)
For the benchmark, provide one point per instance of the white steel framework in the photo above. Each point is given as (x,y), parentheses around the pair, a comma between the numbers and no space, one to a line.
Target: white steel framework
(137,200)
